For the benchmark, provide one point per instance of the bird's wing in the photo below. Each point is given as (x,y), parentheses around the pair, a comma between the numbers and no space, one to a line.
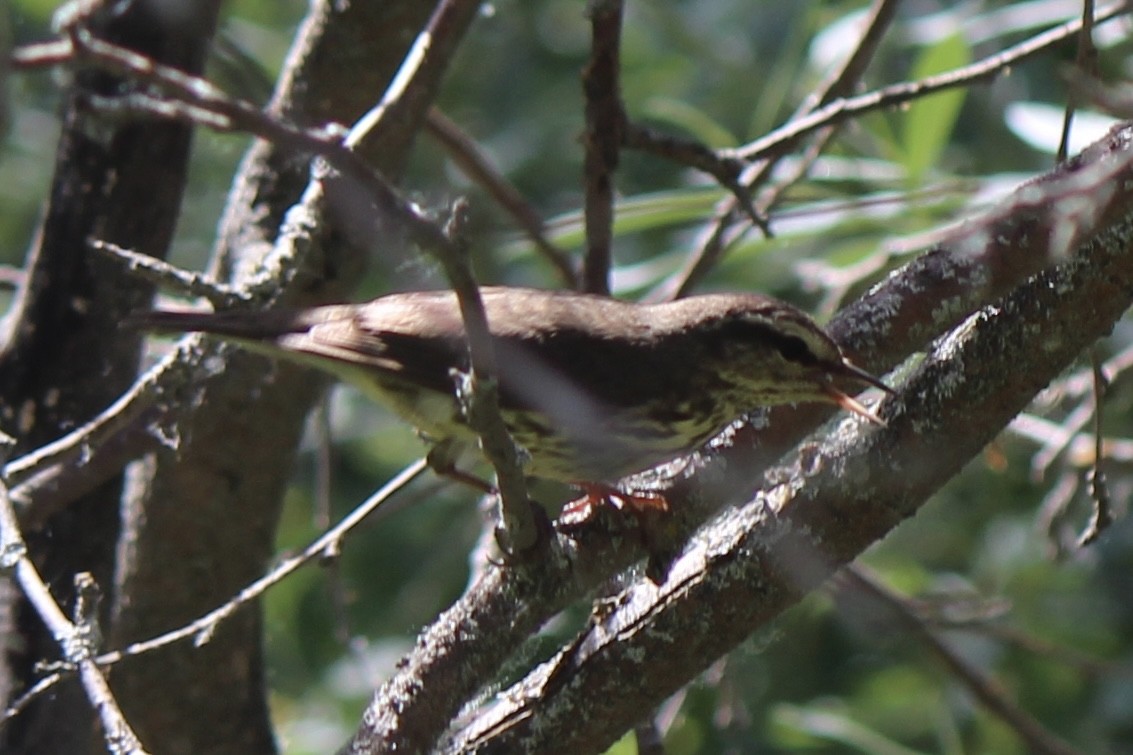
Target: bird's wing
(421,360)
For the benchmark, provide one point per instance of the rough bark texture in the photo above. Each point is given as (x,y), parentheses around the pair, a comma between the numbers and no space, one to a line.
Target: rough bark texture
(64,358)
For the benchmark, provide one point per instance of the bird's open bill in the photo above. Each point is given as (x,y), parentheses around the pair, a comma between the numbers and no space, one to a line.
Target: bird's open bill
(852,370)
(851,404)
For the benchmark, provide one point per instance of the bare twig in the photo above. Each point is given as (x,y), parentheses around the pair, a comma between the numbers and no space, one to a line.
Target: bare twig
(1079,661)
(479,395)
(478,167)
(48,477)
(726,170)
(41,54)
(446,244)
(12,276)
(605,120)
(993,696)
(180,281)
(201,629)
(332,143)
(77,642)
(1099,492)
(898,94)
(18,704)
(720,236)
(1085,64)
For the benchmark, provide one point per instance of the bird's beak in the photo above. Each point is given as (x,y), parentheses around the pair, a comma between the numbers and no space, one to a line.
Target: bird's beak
(852,370)
(851,404)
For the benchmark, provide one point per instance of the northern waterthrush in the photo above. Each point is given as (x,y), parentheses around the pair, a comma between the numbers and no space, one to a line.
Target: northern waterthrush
(592,388)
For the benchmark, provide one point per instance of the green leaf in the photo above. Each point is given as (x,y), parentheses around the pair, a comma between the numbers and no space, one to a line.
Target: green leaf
(688,118)
(635,214)
(929,121)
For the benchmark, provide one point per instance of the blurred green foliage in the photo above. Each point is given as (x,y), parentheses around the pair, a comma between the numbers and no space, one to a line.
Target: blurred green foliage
(824,679)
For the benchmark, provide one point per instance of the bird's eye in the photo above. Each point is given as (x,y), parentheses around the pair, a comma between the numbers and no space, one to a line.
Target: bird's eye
(794,349)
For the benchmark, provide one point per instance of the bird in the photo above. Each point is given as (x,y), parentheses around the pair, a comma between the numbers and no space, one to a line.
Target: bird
(591,388)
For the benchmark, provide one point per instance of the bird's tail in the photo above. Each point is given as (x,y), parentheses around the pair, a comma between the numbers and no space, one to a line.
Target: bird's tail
(243,325)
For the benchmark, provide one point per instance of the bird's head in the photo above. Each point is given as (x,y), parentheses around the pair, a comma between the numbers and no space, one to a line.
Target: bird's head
(774,353)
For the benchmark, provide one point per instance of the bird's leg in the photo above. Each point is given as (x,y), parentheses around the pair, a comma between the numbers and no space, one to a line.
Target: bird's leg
(442,460)
(649,511)
(467,478)
(637,504)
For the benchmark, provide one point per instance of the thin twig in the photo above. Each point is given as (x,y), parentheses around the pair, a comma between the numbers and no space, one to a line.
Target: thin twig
(1080,661)
(693,154)
(833,112)
(448,246)
(201,629)
(332,143)
(17,705)
(605,119)
(479,395)
(180,281)
(12,276)
(1085,64)
(898,94)
(722,235)
(477,166)
(987,691)
(1102,516)
(93,451)
(77,643)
